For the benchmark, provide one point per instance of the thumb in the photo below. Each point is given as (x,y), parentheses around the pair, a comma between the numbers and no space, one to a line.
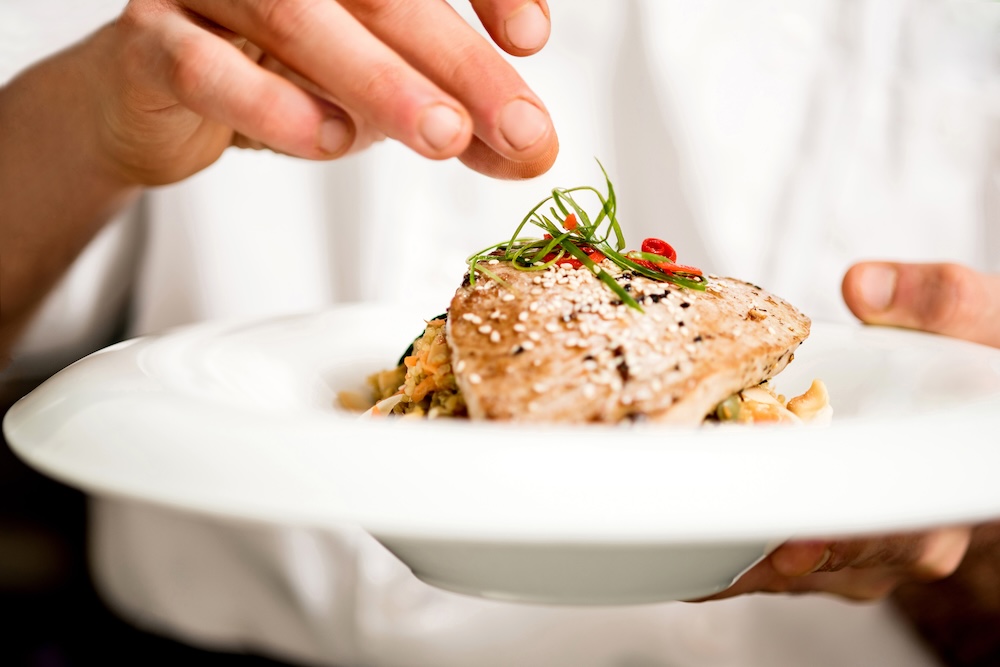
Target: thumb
(948,299)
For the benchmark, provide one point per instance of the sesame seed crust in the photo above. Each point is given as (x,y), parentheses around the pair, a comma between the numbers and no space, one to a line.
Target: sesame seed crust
(563,330)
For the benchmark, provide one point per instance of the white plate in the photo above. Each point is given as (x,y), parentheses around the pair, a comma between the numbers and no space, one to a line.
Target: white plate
(240,420)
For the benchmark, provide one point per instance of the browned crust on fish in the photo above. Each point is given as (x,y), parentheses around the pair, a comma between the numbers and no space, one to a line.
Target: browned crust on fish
(559,346)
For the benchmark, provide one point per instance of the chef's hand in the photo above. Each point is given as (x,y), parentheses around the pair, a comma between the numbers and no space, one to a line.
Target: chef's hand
(178,81)
(944,581)
(946,299)
(867,568)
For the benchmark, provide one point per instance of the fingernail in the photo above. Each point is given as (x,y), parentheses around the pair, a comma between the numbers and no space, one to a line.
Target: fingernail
(334,133)
(823,560)
(877,286)
(440,125)
(522,124)
(527,28)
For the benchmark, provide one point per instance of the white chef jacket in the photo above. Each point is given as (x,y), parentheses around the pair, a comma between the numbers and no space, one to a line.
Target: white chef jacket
(776,140)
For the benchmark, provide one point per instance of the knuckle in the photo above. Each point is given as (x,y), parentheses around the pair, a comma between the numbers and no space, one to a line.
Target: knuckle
(383,83)
(132,17)
(189,71)
(139,15)
(267,114)
(465,64)
(367,10)
(138,27)
(285,20)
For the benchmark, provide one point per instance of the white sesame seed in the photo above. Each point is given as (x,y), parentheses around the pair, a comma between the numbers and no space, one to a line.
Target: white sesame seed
(551,327)
(535,336)
(493,262)
(508,297)
(589,390)
(522,316)
(472,317)
(520,328)
(475,379)
(485,329)
(528,345)
(495,315)
(460,366)
(495,337)
(539,388)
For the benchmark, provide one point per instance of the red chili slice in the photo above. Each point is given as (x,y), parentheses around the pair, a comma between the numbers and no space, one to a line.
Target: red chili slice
(659,247)
(570,222)
(681,268)
(666,267)
(644,263)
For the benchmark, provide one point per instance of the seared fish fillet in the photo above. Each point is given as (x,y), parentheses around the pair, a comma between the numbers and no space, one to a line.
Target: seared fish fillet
(559,346)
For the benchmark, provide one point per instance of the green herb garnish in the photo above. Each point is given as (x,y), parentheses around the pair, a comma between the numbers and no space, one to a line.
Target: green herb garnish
(576,238)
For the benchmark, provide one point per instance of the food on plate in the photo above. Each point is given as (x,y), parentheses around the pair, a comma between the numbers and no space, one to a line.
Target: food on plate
(570,327)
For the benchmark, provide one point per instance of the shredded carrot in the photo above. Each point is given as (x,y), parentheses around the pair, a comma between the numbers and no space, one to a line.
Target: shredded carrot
(422,389)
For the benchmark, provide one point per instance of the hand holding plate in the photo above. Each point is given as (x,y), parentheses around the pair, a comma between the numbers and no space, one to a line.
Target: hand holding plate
(867,568)
(948,299)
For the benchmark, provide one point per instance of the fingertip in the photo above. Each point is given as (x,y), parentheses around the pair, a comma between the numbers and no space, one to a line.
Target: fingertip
(479,157)
(524,126)
(526,29)
(869,289)
(444,129)
(335,136)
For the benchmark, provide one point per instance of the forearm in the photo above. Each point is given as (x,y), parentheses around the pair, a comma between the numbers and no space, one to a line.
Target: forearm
(959,616)
(56,187)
